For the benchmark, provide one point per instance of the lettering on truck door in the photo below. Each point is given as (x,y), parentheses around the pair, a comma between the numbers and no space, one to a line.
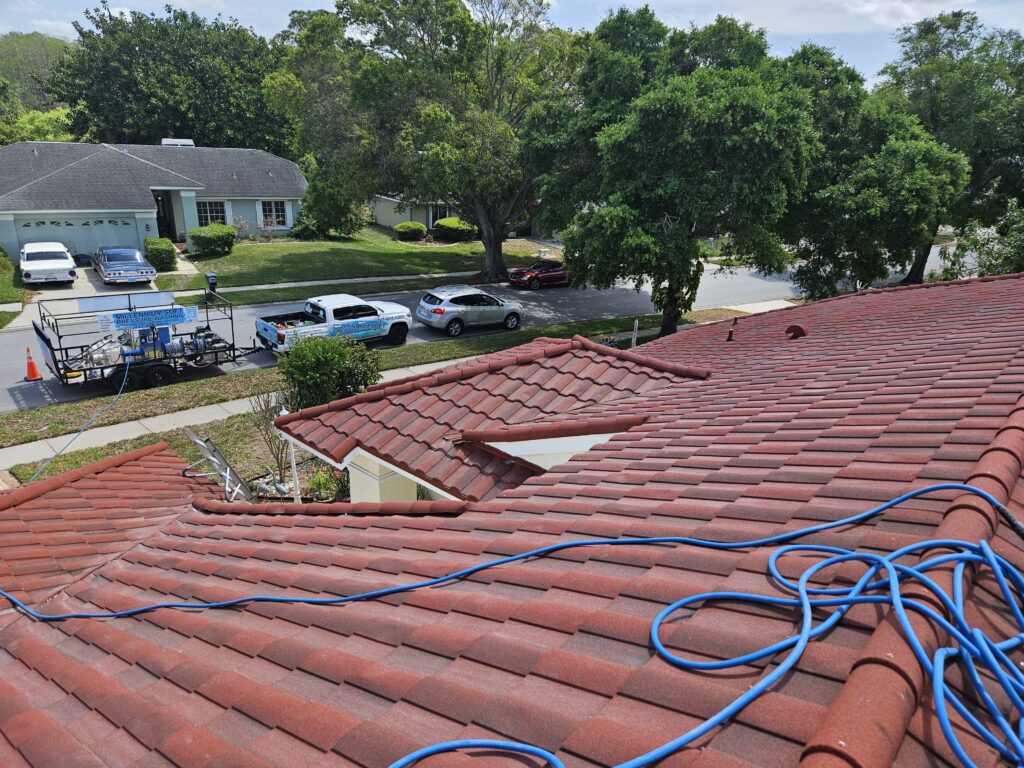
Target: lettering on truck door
(368,322)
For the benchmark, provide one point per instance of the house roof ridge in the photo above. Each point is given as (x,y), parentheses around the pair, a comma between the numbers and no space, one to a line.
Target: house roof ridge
(126,153)
(450,375)
(656,363)
(431,378)
(40,487)
(886,683)
(383,509)
(544,430)
(54,172)
(914,287)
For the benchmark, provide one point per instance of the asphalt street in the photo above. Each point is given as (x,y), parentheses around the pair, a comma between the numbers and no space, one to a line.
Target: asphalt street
(544,307)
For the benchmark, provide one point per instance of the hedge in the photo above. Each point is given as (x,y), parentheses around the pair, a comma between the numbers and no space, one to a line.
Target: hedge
(453,229)
(410,230)
(213,239)
(161,253)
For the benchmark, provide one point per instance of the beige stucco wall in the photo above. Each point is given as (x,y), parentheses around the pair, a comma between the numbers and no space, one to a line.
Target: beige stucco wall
(386,212)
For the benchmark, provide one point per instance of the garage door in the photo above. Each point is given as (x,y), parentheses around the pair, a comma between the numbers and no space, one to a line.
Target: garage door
(80,234)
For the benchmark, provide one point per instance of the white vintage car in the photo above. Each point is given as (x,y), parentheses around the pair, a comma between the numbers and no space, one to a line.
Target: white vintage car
(47,263)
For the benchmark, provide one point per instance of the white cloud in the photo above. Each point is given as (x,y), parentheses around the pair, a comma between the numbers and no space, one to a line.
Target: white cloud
(56,27)
(894,13)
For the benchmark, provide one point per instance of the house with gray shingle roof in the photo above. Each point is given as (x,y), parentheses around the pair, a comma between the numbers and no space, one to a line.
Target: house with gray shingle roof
(92,195)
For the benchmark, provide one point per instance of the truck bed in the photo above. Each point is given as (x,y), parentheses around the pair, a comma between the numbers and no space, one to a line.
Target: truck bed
(293,318)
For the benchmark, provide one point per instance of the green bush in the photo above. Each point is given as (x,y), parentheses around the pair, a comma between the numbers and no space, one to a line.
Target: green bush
(453,229)
(213,239)
(323,368)
(161,253)
(410,230)
(6,267)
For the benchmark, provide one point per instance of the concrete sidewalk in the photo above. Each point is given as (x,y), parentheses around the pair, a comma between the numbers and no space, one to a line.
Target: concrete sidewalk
(43,449)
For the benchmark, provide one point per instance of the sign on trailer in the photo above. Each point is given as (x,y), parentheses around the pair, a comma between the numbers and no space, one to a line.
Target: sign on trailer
(147,318)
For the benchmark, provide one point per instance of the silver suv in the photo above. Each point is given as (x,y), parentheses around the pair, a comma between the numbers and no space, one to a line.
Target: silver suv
(453,307)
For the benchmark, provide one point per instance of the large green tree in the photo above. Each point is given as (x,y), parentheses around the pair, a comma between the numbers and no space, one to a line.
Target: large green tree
(426,99)
(715,152)
(10,111)
(26,59)
(879,187)
(137,78)
(966,85)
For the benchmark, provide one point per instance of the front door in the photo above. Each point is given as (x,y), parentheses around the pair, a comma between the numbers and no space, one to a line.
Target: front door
(165,215)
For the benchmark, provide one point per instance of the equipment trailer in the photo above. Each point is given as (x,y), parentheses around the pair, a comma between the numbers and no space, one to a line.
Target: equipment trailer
(145,332)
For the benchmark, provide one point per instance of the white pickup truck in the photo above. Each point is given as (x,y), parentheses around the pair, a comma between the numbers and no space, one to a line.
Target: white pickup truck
(339,314)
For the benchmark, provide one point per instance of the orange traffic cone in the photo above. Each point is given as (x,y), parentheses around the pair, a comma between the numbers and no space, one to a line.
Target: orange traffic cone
(31,370)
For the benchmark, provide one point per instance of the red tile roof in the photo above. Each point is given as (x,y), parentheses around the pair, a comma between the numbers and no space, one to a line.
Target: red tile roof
(887,392)
(415,423)
(55,531)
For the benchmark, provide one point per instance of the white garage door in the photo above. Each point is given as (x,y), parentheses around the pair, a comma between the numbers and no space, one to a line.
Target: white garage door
(81,234)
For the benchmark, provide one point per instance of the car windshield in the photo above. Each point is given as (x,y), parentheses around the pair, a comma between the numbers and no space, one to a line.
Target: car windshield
(46,256)
(122,257)
(540,265)
(431,299)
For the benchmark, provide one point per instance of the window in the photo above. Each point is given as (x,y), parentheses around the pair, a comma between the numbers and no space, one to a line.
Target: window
(273,213)
(363,310)
(211,212)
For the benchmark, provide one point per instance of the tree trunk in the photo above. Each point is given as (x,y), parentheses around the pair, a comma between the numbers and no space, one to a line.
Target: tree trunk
(916,274)
(494,260)
(670,313)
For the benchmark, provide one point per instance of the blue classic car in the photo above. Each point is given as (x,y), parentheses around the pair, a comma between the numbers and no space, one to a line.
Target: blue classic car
(122,265)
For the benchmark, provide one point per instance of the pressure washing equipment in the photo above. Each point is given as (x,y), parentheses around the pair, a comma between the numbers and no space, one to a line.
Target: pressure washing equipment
(883,581)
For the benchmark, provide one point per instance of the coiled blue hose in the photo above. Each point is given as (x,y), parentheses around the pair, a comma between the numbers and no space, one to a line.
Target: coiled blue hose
(880,584)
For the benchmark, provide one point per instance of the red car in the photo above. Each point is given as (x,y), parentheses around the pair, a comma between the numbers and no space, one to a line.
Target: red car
(539,273)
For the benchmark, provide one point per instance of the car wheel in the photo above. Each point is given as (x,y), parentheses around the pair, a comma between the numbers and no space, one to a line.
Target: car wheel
(159,375)
(534,283)
(455,327)
(397,333)
(511,321)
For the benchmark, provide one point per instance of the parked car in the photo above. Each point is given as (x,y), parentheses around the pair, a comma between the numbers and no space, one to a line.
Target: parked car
(541,272)
(339,314)
(452,307)
(46,263)
(122,265)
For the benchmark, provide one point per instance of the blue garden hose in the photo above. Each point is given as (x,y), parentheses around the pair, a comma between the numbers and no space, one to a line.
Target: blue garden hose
(78,434)
(879,584)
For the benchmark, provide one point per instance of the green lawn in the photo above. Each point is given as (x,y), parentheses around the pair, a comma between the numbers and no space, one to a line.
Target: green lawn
(374,252)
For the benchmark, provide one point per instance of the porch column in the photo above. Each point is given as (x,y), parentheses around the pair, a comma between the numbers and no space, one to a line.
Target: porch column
(191,215)
(373,482)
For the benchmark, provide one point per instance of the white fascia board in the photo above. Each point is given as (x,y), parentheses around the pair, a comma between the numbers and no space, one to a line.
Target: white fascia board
(357,451)
(524,449)
(105,211)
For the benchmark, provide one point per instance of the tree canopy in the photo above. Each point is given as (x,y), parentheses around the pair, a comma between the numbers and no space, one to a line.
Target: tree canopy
(425,99)
(137,78)
(966,85)
(26,59)
(710,144)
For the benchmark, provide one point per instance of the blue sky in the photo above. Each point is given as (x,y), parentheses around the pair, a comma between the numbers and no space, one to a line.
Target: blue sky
(861,31)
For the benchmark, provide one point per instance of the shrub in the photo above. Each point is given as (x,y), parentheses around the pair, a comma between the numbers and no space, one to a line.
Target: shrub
(213,239)
(453,229)
(410,230)
(6,267)
(161,253)
(323,368)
